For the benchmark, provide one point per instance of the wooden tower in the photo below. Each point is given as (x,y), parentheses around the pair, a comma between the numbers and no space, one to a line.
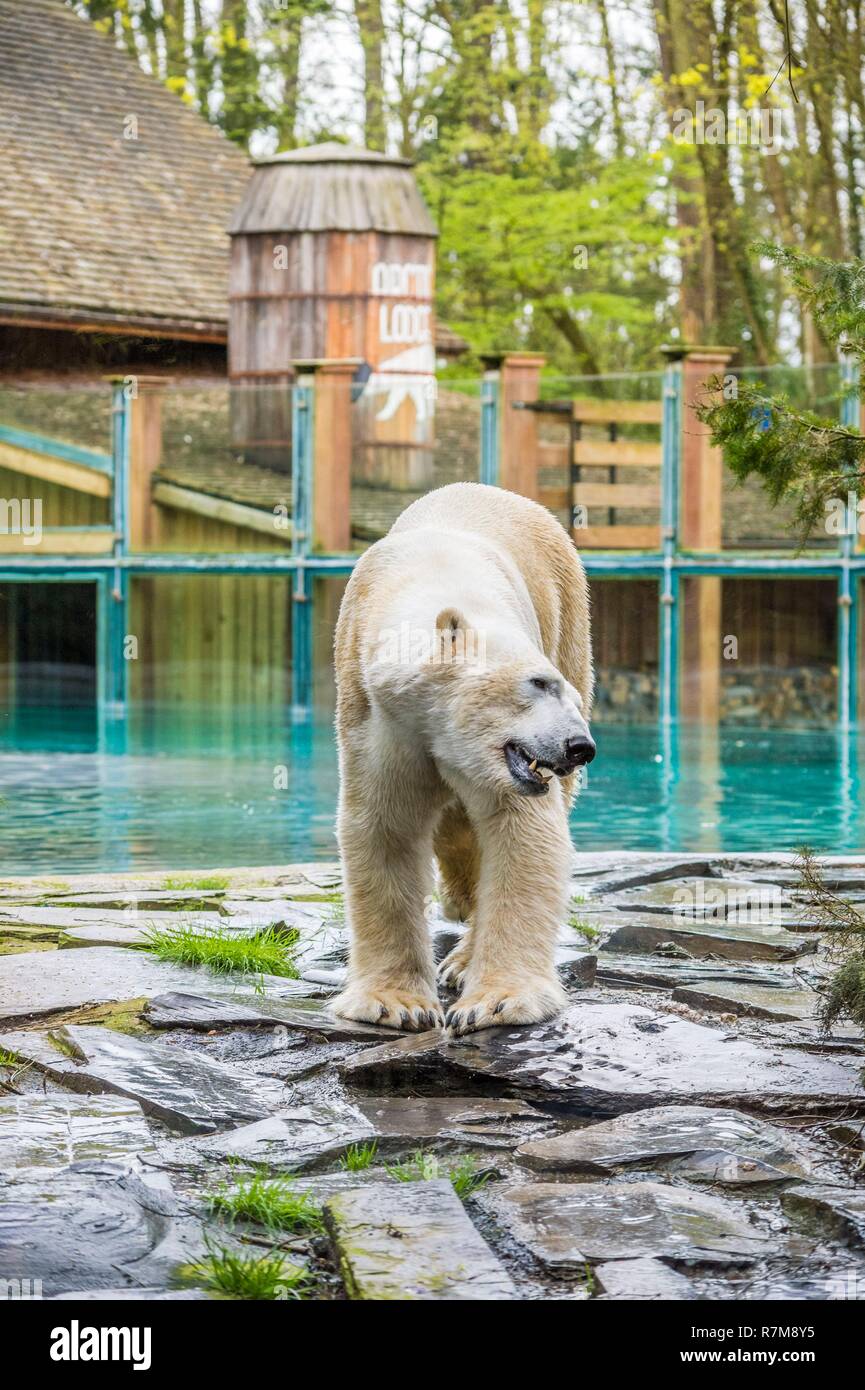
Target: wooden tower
(333,257)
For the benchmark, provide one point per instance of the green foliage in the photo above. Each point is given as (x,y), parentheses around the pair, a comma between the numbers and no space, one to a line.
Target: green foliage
(272,1202)
(259,1277)
(539,257)
(267,952)
(213,881)
(357,1157)
(464,1174)
(845,943)
(797,455)
(584,928)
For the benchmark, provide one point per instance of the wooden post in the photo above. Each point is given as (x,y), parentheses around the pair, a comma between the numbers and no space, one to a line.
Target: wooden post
(520,376)
(332,450)
(145,455)
(701,528)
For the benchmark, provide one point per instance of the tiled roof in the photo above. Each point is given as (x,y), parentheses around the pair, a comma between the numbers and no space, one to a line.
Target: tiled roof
(95,227)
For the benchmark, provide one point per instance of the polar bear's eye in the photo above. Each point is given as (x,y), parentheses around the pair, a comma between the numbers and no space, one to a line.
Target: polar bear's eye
(540,683)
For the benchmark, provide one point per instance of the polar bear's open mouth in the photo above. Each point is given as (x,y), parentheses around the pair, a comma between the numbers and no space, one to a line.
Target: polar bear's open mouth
(530,774)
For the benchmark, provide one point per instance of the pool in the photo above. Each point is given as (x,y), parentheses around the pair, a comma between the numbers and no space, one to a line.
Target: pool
(199,789)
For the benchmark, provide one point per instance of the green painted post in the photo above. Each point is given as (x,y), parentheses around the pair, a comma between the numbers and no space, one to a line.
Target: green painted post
(848,581)
(489,461)
(302,441)
(671,459)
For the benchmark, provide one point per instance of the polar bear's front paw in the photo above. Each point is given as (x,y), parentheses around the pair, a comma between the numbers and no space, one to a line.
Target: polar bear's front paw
(453,968)
(413,1012)
(502,1005)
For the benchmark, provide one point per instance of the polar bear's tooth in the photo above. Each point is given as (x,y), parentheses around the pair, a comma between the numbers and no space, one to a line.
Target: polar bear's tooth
(533,764)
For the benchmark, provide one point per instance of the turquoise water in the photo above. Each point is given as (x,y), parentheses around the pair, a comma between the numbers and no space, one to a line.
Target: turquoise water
(200,790)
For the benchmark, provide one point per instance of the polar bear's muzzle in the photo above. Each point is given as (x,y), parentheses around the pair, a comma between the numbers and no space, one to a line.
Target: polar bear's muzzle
(532,773)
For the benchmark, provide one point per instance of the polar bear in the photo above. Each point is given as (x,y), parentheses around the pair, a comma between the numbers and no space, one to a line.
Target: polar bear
(464,685)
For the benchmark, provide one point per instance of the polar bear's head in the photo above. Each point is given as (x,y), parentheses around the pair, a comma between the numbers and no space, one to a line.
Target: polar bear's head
(508,717)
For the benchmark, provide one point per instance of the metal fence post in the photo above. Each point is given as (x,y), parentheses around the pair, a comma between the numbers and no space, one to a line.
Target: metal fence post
(302,440)
(489,461)
(113,595)
(848,582)
(671,456)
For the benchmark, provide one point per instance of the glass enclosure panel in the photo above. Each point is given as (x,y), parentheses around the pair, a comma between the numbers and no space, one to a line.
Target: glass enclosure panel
(612,496)
(750,522)
(625,644)
(776,645)
(47,647)
(410,434)
(79,415)
(219,640)
(222,479)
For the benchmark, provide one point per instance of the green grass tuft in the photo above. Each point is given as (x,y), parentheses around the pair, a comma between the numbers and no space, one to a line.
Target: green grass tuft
(358,1156)
(464,1175)
(268,952)
(259,1277)
(180,885)
(584,928)
(272,1202)
(845,995)
(10,1059)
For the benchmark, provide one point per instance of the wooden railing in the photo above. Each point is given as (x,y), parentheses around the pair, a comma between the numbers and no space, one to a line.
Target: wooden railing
(613,492)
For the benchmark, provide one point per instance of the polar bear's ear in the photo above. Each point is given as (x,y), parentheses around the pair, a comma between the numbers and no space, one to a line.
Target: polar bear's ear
(451,628)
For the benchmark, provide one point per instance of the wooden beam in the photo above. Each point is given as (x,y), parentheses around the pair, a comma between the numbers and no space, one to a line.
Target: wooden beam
(557,499)
(331,459)
(553,455)
(617,494)
(60,540)
(76,476)
(520,382)
(618,537)
(617,412)
(600,453)
(221,509)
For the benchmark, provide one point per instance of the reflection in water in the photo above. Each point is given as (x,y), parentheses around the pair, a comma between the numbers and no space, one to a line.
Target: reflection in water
(205,788)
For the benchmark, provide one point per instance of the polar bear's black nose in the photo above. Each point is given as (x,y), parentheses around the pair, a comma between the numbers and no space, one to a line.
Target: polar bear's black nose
(579,751)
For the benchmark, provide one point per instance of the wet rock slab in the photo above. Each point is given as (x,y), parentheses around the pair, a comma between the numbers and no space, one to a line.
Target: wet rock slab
(566,1225)
(832,1212)
(603,1058)
(52,1131)
(412,1241)
(720,1146)
(186,1090)
(643,1279)
(750,1000)
(203,1013)
(665,972)
(310,1137)
(644,870)
(714,897)
(198,1012)
(110,974)
(91,1226)
(719,938)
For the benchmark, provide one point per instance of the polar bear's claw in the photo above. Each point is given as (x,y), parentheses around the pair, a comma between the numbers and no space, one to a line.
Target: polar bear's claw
(408,1012)
(452,970)
(493,1009)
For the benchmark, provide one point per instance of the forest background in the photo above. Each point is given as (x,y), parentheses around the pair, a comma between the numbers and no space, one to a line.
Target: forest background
(598,170)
